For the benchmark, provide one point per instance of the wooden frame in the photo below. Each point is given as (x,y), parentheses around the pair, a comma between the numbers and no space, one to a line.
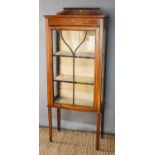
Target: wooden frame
(83,21)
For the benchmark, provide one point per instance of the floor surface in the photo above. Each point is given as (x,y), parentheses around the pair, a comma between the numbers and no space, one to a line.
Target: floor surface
(67,142)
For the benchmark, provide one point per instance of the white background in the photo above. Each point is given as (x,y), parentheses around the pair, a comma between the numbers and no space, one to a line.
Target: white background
(19,77)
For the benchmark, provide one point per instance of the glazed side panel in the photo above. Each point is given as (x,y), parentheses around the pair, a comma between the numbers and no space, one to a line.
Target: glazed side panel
(49,64)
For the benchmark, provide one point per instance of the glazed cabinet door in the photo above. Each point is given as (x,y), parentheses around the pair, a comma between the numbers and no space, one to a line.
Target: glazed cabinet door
(74,52)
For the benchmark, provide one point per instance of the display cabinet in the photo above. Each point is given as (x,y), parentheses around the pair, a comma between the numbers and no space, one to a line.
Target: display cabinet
(76,59)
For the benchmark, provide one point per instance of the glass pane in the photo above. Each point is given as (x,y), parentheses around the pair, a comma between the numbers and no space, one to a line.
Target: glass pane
(84,95)
(63,69)
(63,93)
(84,70)
(87,48)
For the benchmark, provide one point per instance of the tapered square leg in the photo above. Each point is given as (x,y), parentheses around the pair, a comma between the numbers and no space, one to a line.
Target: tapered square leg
(50,123)
(97,130)
(102,124)
(58,119)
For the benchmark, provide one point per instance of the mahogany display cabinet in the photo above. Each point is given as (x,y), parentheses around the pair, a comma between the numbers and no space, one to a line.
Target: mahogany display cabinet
(76,59)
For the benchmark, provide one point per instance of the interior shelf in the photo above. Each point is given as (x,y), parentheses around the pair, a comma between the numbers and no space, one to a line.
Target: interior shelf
(63,100)
(89,55)
(78,79)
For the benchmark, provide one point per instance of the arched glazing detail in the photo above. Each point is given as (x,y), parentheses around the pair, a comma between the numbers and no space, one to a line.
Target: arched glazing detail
(73,51)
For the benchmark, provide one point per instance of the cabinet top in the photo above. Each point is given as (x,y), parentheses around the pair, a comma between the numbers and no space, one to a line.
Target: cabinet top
(95,12)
